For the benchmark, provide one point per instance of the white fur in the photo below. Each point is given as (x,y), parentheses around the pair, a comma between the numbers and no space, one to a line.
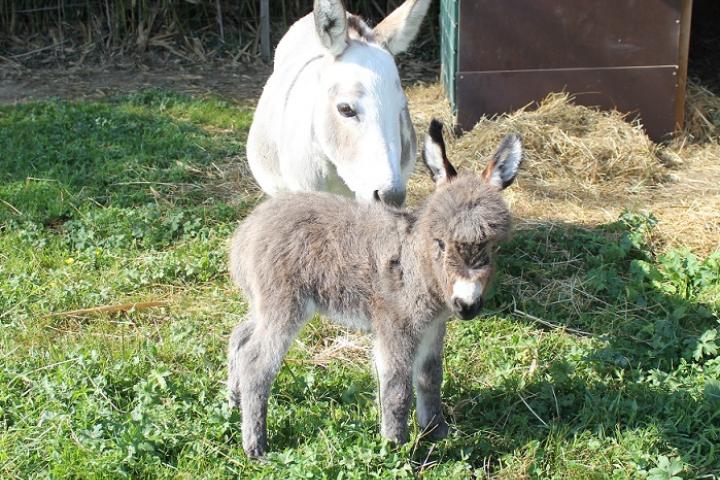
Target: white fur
(516,154)
(310,309)
(378,358)
(509,163)
(399,29)
(352,320)
(434,160)
(294,143)
(333,38)
(467,291)
(377,155)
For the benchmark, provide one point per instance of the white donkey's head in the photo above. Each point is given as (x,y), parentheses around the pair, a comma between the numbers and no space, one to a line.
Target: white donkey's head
(361,120)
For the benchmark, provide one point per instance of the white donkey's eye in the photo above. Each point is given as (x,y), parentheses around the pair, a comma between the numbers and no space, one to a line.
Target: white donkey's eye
(346,110)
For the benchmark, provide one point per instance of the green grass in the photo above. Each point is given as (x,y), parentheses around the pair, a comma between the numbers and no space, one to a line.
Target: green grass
(597,357)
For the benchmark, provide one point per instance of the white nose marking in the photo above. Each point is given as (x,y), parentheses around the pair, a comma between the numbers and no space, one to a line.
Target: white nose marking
(467,291)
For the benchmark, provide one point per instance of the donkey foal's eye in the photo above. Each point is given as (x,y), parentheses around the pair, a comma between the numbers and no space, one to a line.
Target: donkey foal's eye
(481,260)
(440,244)
(346,110)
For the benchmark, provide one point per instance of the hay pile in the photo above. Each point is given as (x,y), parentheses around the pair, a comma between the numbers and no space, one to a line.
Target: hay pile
(702,118)
(566,142)
(584,166)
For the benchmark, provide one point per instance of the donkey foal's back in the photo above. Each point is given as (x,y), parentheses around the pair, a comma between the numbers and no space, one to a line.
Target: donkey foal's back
(397,273)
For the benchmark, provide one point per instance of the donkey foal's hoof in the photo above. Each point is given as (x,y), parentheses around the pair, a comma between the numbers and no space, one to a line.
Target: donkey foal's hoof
(437,431)
(255,451)
(397,438)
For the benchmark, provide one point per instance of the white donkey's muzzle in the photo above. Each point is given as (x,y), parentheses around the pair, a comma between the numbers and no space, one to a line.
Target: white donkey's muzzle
(394,197)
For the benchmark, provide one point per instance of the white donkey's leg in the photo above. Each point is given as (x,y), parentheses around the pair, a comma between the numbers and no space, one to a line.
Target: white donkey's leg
(428,380)
(257,348)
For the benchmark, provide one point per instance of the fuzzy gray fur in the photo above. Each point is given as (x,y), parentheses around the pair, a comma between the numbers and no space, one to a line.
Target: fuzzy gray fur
(367,266)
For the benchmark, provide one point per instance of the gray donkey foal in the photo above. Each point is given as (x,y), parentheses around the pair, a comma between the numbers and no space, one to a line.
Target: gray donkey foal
(397,273)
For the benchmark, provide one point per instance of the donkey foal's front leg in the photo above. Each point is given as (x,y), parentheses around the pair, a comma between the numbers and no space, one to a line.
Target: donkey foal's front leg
(394,365)
(428,380)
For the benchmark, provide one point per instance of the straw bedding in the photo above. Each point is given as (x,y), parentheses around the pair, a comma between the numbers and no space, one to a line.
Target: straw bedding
(585,166)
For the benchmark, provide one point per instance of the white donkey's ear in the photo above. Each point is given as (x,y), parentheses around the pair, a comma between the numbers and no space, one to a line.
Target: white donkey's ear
(504,165)
(331,25)
(398,30)
(434,154)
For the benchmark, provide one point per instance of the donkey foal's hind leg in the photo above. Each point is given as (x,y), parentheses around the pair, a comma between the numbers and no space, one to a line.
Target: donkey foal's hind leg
(257,348)
(239,337)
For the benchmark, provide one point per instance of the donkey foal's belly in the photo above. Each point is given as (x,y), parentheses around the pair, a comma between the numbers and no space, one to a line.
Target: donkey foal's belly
(354,321)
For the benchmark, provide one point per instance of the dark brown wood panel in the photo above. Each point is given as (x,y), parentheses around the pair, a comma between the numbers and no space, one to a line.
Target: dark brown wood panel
(683,50)
(651,91)
(544,34)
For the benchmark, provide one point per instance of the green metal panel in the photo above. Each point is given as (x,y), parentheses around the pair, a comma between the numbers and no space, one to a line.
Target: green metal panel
(449,18)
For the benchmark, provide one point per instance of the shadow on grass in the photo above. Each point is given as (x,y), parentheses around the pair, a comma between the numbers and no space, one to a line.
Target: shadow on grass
(647,351)
(558,418)
(58,156)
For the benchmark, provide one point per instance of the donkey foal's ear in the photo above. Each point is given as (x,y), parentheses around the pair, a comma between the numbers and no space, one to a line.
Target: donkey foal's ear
(398,30)
(331,25)
(503,167)
(434,155)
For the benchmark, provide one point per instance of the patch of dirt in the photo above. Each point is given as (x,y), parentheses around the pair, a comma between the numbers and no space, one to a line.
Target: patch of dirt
(236,82)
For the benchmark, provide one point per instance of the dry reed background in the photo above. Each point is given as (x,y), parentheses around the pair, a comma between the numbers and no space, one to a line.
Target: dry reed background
(43,31)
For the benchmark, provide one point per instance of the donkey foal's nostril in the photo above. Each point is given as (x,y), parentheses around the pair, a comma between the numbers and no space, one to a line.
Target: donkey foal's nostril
(376,196)
(457,304)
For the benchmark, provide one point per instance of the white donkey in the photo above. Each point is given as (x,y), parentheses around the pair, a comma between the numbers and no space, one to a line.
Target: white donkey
(333,115)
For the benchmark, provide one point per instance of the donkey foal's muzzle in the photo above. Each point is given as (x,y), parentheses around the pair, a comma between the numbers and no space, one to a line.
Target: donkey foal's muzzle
(467,311)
